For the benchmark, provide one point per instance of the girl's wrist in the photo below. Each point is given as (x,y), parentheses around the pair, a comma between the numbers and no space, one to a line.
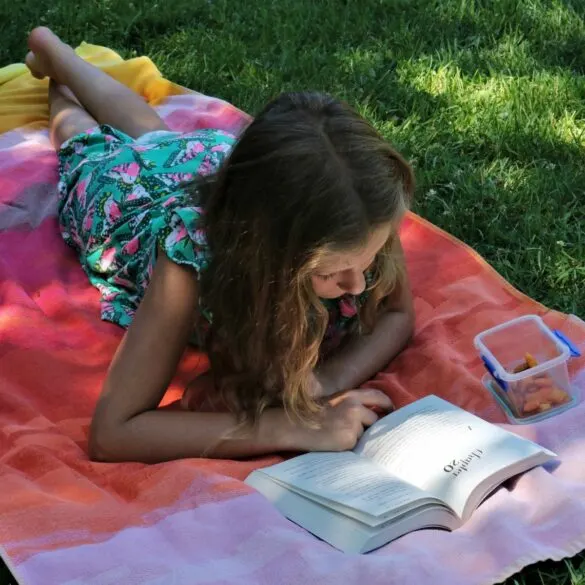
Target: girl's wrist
(280,432)
(327,382)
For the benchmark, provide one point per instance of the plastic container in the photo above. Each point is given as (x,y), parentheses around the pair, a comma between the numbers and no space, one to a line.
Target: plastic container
(527,391)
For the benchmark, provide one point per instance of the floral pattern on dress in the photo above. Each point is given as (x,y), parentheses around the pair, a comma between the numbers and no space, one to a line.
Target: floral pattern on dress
(121,199)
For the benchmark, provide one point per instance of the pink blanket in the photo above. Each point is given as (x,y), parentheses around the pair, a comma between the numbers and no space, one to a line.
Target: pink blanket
(66,520)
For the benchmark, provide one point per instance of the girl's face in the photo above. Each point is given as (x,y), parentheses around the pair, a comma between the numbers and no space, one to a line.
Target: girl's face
(340,273)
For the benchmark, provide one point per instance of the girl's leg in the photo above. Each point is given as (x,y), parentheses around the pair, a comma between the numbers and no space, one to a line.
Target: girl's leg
(67,116)
(107,100)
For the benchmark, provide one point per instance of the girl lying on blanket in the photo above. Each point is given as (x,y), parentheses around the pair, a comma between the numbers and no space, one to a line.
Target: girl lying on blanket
(277,252)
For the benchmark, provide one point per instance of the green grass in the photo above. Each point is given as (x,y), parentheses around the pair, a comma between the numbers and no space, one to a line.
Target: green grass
(485,97)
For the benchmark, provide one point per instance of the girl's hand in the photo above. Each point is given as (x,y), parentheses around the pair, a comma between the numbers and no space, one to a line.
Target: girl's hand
(343,421)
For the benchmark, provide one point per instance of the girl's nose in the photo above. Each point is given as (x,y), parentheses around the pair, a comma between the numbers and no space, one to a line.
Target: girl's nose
(352,282)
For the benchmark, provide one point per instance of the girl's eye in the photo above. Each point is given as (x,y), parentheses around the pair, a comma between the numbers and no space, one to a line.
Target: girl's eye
(326,276)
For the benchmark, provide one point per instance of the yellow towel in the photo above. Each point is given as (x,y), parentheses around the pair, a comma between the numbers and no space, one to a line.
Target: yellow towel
(23,99)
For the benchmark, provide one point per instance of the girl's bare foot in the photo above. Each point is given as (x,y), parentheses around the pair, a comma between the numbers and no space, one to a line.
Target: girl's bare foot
(45,47)
(106,100)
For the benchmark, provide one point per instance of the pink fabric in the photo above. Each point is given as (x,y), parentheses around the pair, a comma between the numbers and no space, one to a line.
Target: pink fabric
(66,520)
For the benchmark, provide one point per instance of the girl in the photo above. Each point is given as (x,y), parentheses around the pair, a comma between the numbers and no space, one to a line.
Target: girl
(279,252)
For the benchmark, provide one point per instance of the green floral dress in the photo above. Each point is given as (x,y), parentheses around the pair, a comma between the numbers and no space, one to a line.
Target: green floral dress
(120,199)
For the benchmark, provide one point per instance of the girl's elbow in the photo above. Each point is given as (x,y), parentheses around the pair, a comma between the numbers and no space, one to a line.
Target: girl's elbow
(406,324)
(102,444)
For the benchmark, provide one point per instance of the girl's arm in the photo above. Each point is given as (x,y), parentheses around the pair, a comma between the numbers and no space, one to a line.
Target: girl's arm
(363,356)
(127,426)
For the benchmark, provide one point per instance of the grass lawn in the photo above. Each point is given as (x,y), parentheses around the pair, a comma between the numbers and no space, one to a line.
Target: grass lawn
(485,97)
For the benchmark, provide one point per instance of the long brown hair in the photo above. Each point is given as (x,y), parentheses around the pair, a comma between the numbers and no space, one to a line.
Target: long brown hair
(308,175)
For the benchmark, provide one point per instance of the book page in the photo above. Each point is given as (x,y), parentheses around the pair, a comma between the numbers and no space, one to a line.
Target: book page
(349,534)
(355,482)
(442,449)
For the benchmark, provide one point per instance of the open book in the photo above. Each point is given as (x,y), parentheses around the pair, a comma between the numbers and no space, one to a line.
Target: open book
(427,465)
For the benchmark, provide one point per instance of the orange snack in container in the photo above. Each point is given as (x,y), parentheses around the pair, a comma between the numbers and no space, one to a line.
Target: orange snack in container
(527,368)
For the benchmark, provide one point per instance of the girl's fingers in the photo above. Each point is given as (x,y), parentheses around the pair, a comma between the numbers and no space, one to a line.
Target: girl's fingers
(368,416)
(374,399)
